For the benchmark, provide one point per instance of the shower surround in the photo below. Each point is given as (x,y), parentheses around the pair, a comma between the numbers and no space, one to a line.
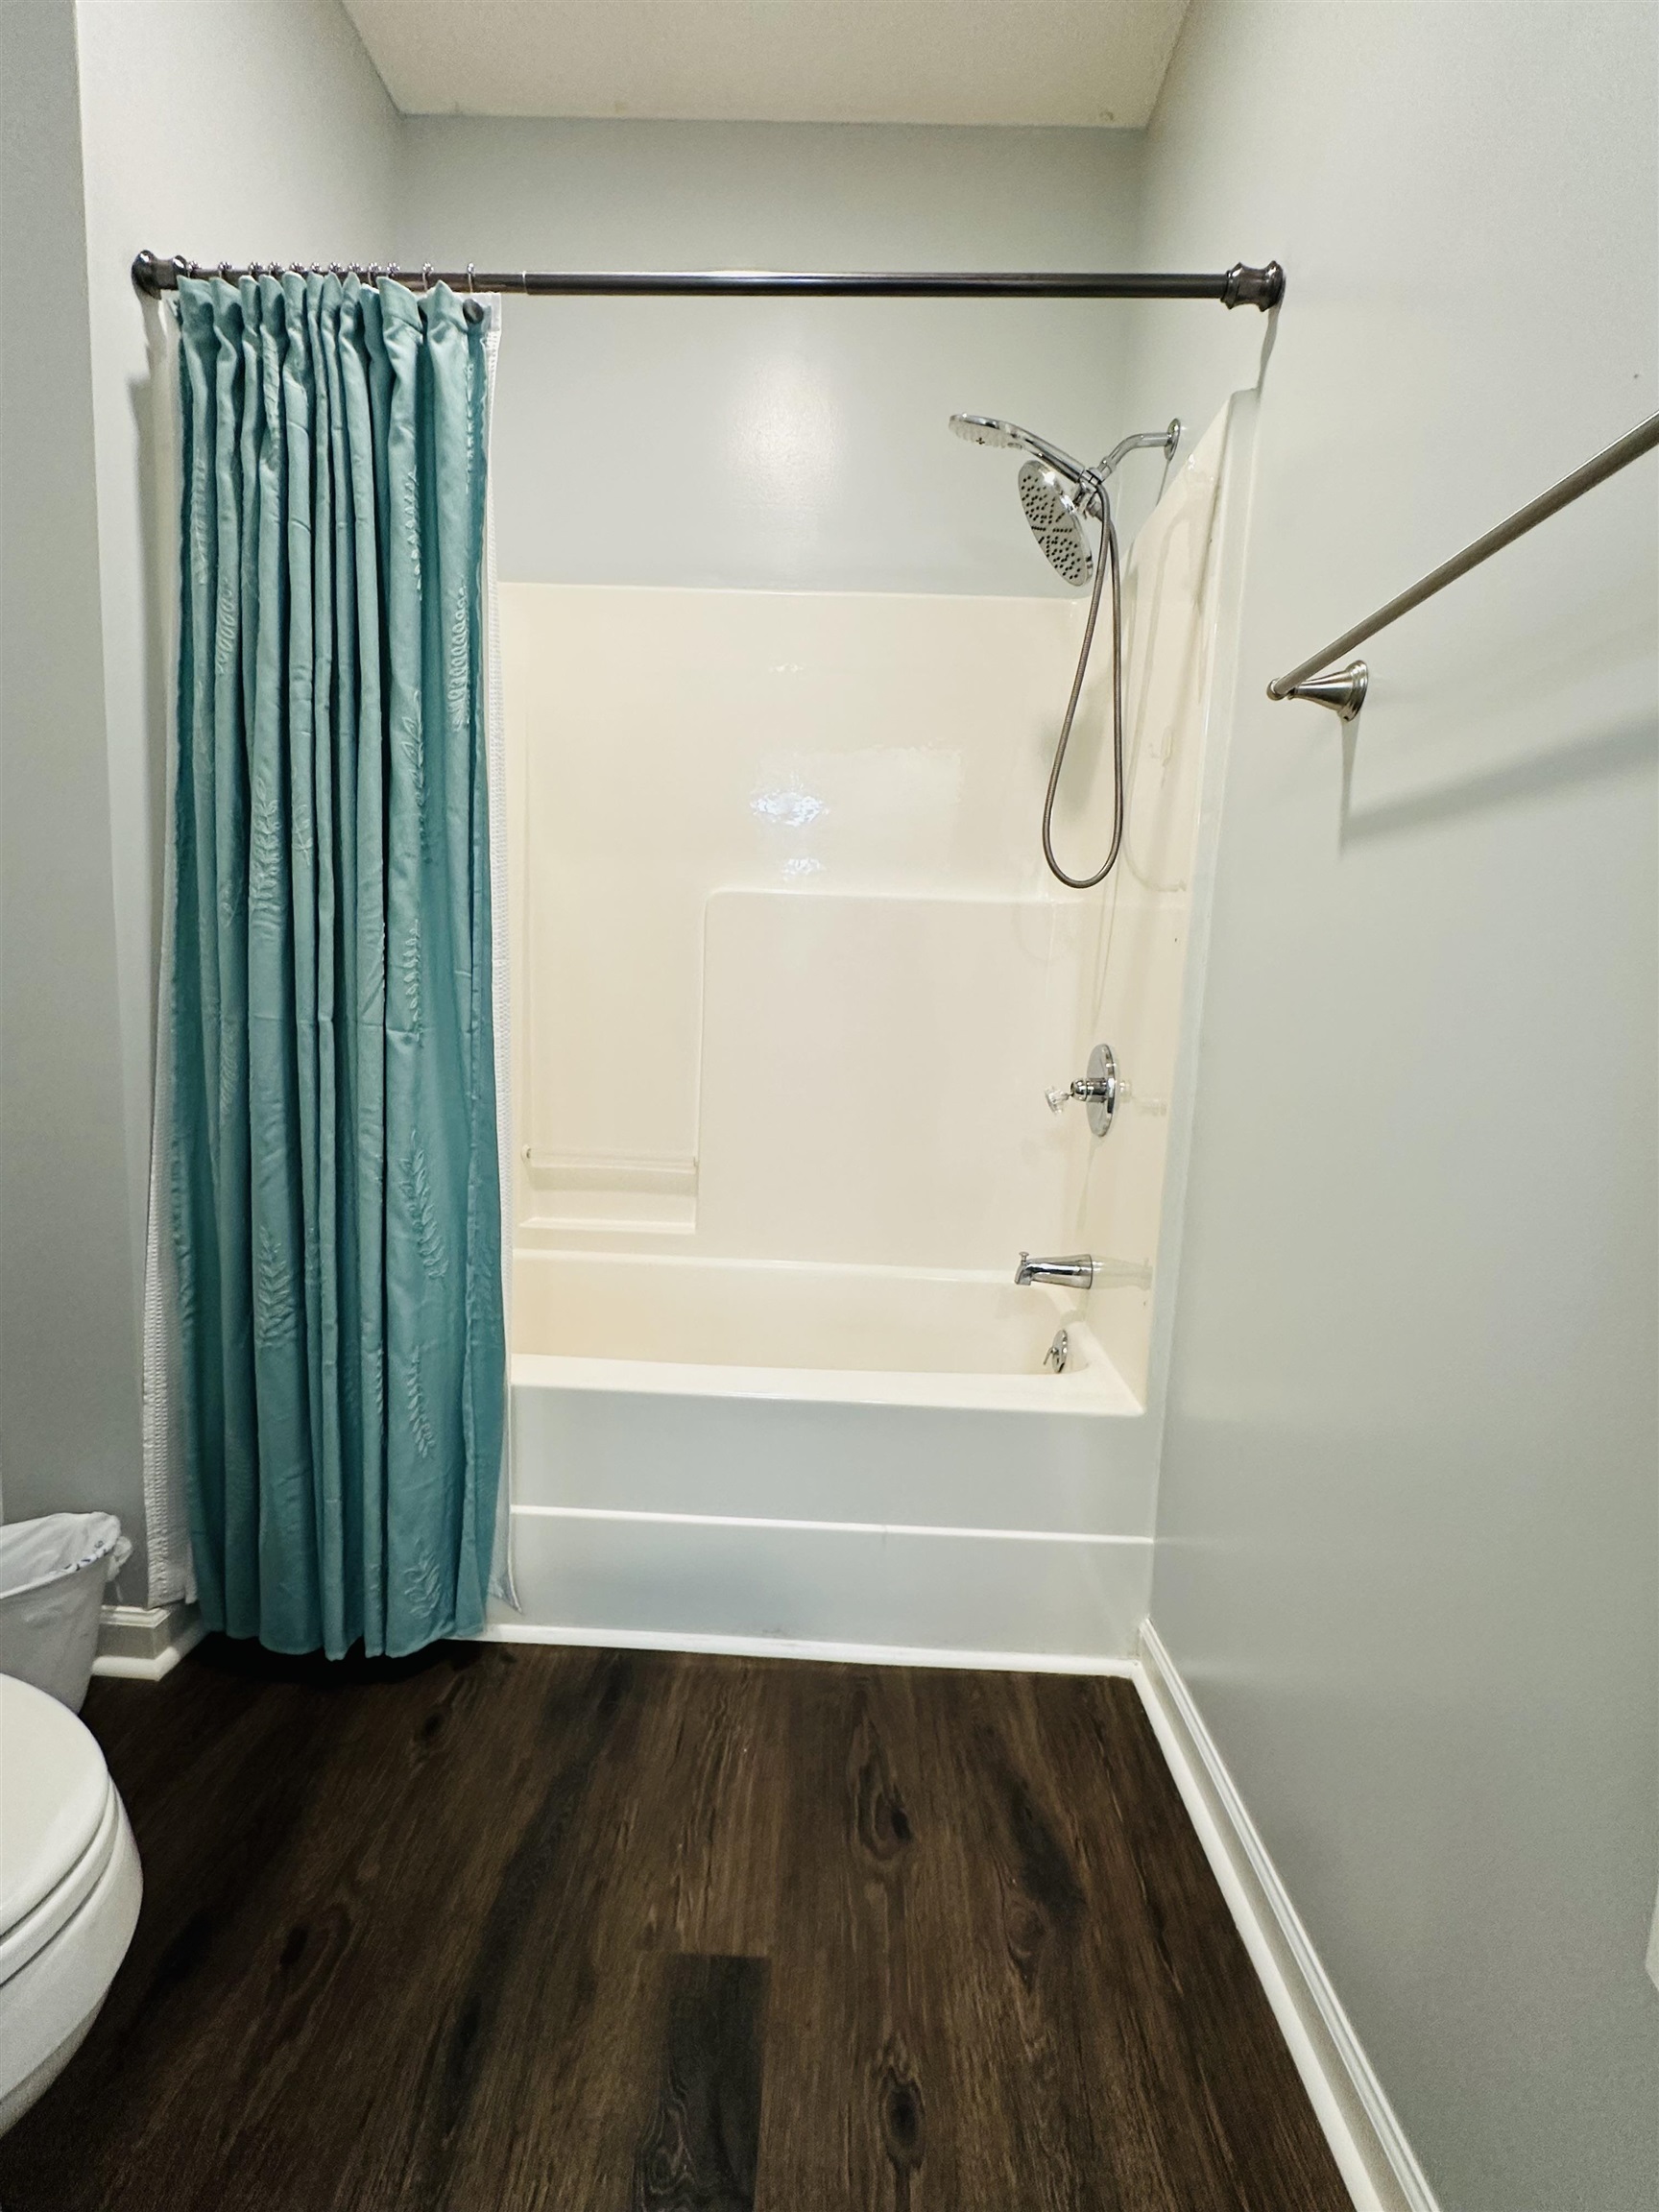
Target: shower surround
(790,982)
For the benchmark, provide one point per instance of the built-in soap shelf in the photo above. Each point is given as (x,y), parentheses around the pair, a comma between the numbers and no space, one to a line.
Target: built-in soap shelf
(611,1190)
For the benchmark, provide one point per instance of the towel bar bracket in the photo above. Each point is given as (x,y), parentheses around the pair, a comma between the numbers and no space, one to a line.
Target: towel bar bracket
(1343,691)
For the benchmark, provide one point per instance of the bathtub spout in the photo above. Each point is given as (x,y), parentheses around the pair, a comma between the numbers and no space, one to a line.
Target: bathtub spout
(1077,1270)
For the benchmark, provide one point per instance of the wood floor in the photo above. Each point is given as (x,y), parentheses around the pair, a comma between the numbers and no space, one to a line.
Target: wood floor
(519,1930)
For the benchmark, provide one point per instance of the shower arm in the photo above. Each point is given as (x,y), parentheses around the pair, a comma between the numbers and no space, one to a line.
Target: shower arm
(1169,438)
(1093,481)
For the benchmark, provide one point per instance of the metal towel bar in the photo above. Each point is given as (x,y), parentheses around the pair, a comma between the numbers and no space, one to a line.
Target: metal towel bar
(1343,690)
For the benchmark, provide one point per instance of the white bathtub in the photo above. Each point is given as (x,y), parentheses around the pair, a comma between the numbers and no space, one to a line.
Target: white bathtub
(734,1454)
(846,1335)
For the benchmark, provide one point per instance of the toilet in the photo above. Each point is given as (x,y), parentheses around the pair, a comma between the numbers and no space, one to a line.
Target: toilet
(69,1890)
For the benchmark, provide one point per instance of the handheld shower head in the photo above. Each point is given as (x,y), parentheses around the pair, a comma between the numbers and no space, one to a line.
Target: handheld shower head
(991,430)
(987,430)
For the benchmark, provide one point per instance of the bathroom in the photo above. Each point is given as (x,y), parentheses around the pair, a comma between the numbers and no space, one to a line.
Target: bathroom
(1181,1729)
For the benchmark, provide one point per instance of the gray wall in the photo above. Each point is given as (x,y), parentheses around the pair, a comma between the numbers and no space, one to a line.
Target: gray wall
(783,443)
(69,1406)
(237,131)
(1408,1531)
(244,131)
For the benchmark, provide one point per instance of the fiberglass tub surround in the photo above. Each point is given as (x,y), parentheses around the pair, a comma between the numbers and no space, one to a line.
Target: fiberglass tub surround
(867,1336)
(791,982)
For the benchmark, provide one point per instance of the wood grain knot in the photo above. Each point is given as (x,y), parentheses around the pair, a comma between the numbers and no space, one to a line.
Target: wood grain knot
(900,2109)
(883,1825)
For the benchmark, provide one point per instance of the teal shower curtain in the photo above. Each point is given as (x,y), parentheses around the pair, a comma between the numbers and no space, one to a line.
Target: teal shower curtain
(332,1158)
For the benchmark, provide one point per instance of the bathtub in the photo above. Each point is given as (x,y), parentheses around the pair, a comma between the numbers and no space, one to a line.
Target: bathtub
(726,1454)
(830,1334)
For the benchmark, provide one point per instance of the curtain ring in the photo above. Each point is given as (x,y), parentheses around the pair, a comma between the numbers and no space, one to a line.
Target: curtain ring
(426,275)
(470,285)
(224,272)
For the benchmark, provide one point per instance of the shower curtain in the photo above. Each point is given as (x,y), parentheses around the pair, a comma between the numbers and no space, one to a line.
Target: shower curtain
(328,1319)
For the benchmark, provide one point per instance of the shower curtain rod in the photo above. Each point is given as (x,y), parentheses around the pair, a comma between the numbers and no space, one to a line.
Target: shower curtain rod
(1236,287)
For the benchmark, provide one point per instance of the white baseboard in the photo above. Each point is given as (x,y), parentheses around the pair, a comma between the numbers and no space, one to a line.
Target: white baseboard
(144,1643)
(783,1647)
(1370,2147)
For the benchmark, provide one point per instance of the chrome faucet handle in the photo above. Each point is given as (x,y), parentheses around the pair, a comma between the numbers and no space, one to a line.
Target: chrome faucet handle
(1102,1081)
(1083,1086)
(1099,1090)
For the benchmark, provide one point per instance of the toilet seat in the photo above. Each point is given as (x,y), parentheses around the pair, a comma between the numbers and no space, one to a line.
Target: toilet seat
(23,1938)
(53,1799)
(69,1890)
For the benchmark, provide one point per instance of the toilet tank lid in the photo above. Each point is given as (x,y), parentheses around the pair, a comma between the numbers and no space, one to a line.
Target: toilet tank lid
(54,1786)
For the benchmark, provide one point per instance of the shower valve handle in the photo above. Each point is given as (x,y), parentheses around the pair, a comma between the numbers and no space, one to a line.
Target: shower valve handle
(1082,1086)
(1099,1090)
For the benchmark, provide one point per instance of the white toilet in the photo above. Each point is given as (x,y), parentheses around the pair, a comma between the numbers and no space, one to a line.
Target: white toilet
(69,1890)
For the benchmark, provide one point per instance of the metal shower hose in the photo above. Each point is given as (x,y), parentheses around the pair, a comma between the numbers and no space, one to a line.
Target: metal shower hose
(1109,560)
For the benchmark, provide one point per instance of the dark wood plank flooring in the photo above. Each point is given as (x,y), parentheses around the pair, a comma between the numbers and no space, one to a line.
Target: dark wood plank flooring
(520,1929)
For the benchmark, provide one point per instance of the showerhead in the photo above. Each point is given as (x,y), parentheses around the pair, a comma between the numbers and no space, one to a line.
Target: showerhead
(1055,514)
(1060,495)
(1055,491)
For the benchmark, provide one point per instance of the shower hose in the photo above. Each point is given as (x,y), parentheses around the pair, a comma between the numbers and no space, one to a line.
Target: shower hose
(1108,562)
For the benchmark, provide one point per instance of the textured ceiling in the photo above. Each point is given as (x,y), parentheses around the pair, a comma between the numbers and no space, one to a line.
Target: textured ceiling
(1055,61)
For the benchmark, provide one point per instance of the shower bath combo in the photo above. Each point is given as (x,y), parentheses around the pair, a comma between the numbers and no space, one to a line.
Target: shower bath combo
(772,1385)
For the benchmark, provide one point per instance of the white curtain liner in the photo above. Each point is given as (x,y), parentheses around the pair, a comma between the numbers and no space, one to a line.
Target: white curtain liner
(170,1571)
(501,1583)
